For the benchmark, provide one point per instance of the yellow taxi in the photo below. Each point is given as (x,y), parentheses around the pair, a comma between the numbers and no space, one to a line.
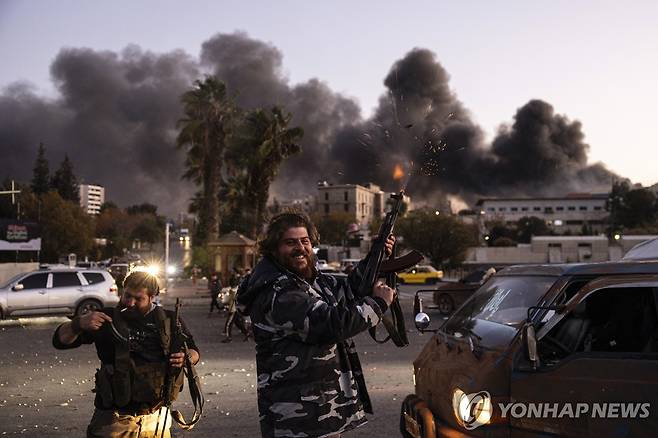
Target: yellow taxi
(421,274)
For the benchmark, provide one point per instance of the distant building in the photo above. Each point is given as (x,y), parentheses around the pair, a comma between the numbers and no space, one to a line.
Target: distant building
(570,212)
(91,198)
(307,205)
(363,202)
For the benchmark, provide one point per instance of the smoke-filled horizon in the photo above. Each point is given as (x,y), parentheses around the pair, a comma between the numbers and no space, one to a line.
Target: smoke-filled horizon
(116,116)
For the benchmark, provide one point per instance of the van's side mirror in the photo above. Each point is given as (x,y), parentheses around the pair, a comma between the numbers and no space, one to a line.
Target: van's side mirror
(422,321)
(18,287)
(531,344)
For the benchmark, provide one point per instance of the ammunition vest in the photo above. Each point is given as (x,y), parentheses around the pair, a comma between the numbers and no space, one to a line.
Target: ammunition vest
(126,383)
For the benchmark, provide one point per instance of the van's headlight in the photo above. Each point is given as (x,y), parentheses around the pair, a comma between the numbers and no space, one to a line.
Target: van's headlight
(472,410)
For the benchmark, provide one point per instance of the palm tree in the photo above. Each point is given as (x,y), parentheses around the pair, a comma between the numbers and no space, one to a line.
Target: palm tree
(204,129)
(269,141)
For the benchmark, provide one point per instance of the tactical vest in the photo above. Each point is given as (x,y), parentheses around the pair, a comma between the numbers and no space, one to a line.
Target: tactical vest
(125,382)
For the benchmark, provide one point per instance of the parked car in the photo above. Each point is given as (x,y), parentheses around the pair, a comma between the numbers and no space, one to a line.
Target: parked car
(421,274)
(68,292)
(450,295)
(543,338)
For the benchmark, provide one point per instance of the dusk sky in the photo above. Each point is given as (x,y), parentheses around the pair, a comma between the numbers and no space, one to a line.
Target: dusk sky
(593,61)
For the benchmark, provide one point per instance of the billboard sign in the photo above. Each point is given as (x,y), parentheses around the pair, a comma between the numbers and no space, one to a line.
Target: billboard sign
(16,235)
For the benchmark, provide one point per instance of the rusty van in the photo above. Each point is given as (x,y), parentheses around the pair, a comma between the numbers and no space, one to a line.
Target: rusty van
(542,350)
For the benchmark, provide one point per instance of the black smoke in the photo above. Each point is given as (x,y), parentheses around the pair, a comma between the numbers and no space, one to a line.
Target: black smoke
(116,117)
(421,121)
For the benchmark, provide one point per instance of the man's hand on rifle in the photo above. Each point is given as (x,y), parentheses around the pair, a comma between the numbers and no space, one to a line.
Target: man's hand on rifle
(177,360)
(390,241)
(384,292)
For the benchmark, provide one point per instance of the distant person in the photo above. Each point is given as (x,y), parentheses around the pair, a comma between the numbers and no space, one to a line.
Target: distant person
(214,287)
(234,316)
(132,342)
(310,380)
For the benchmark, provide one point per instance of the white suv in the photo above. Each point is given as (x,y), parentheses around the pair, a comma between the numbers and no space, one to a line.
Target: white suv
(57,292)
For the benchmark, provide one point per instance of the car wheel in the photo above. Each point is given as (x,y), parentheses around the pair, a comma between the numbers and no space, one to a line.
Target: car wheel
(88,306)
(445,304)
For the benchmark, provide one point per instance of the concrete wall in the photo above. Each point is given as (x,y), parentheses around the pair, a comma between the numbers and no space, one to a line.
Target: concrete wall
(8,270)
(556,249)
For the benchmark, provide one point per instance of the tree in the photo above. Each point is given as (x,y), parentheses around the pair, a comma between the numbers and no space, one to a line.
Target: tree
(529,226)
(40,173)
(333,227)
(444,239)
(144,208)
(204,129)
(263,142)
(639,209)
(631,208)
(498,229)
(65,181)
(65,228)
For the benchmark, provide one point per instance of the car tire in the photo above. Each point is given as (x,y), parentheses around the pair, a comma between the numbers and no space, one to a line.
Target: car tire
(445,304)
(88,306)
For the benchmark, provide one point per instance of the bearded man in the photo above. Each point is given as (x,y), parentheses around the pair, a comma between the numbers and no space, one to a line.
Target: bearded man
(132,342)
(310,382)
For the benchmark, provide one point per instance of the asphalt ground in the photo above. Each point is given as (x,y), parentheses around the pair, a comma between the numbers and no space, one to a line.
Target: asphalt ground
(46,392)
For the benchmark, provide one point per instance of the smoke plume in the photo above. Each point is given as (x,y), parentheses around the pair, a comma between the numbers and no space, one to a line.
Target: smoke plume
(116,117)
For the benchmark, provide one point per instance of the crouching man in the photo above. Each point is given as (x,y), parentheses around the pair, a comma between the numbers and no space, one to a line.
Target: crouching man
(132,342)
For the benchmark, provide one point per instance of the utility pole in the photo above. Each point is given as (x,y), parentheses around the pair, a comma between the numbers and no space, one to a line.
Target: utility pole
(166,267)
(13,192)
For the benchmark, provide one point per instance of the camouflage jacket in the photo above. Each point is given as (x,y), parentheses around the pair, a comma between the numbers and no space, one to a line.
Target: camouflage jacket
(310,382)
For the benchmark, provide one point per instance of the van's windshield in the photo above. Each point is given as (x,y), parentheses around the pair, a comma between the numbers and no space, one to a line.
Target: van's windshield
(503,300)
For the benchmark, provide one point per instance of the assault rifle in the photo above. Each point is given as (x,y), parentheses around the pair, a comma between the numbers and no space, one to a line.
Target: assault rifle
(377,267)
(173,379)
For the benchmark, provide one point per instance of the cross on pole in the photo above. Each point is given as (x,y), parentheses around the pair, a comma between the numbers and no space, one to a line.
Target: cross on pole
(13,192)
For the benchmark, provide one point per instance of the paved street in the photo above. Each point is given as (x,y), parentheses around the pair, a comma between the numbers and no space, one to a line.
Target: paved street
(48,392)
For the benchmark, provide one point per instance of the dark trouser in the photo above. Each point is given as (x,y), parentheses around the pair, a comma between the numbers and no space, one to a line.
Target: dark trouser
(111,424)
(214,303)
(237,319)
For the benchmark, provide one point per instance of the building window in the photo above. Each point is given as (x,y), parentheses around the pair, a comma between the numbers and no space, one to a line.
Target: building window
(524,208)
(571,208)
(582,208)
(346,196)
(347,207)
(326,196)
(502,209)
(598,208)
(326,208)
(559,208)
(536,208)
(514,209)
(491,209)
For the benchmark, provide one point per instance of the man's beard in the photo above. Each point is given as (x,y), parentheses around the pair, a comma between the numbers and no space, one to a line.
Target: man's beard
(130,314)
(307,272)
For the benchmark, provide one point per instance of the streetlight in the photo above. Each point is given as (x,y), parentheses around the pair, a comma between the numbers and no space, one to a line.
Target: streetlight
(166,268)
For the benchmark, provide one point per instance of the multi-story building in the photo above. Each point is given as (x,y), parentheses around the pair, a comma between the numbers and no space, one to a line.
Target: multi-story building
(570,212)
(91,198)
(306,204)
